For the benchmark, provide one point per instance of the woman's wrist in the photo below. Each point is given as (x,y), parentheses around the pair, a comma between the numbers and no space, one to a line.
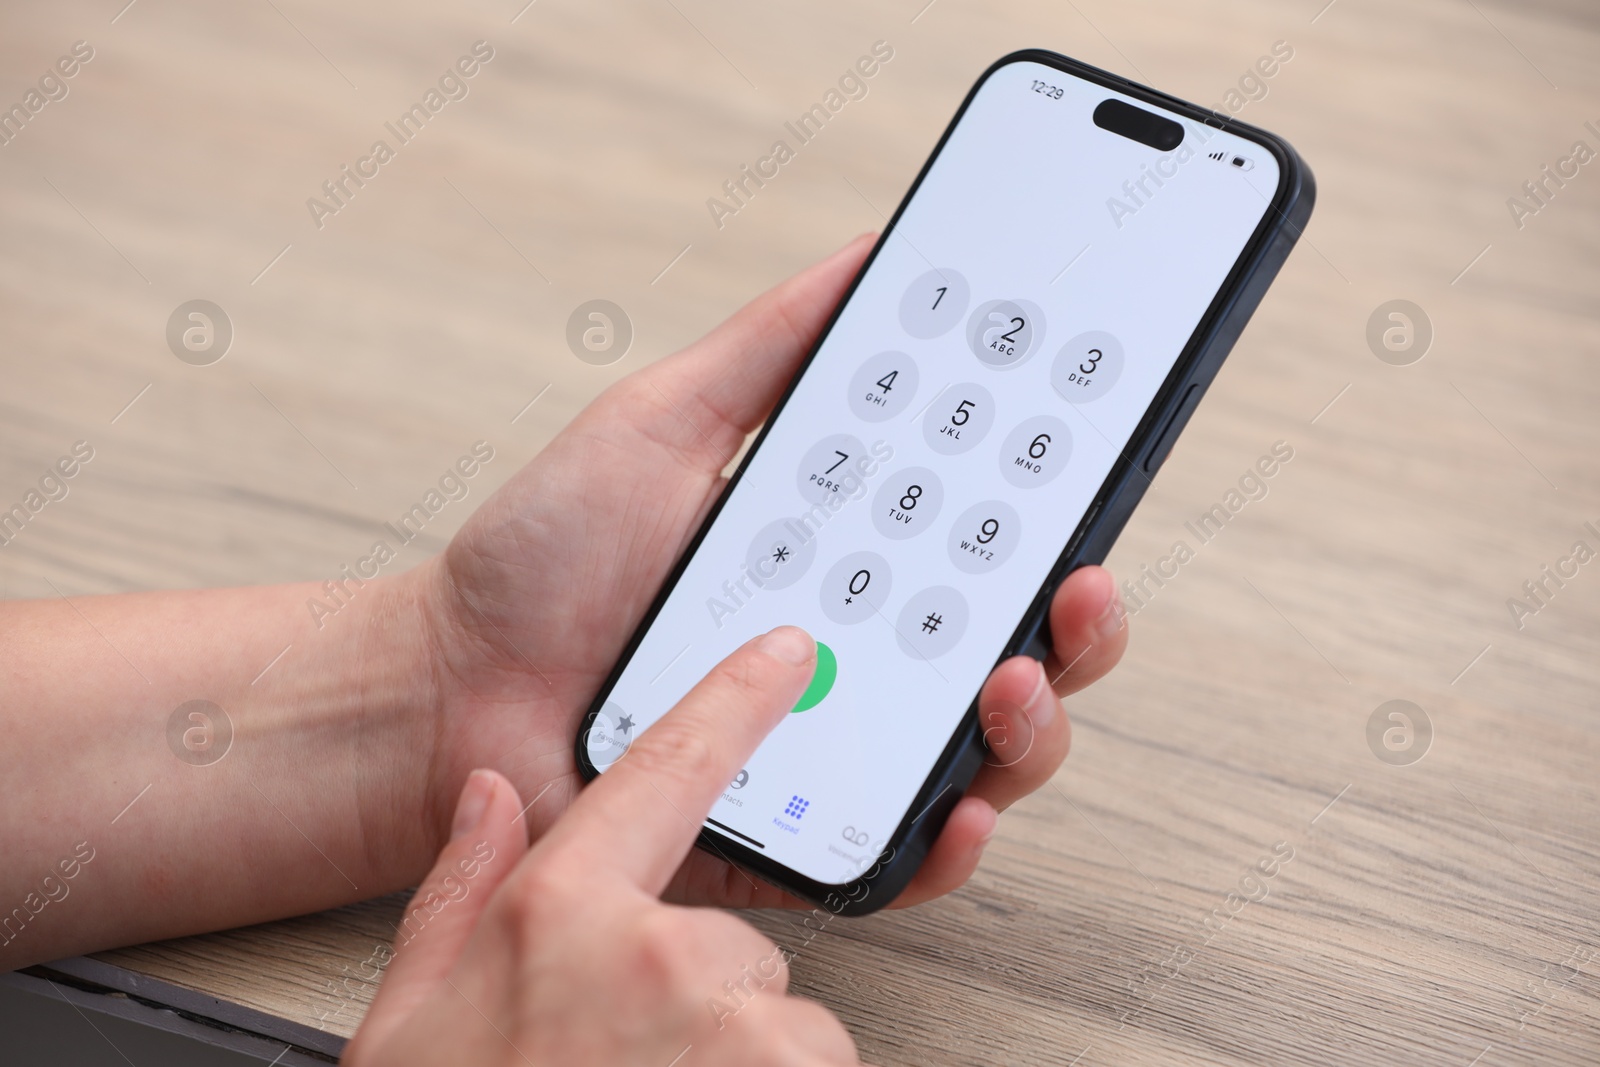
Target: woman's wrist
(490,704)
(391,681)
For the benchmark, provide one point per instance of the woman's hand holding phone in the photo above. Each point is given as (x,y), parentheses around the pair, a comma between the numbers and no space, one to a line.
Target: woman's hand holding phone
(534,600)
(565,953)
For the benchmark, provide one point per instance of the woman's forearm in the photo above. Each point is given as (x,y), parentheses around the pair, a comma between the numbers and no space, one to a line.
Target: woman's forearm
(129,819)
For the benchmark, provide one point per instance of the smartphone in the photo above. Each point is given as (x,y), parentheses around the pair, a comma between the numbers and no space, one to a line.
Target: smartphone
(980,416)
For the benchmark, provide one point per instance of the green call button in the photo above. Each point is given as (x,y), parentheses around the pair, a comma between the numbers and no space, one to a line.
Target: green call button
(821,681)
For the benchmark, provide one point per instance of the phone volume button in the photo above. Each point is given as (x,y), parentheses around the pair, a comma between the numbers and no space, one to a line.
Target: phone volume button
(1169,433)
(1084,526)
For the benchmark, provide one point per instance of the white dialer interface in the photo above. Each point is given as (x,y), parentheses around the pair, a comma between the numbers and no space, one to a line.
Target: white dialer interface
(941,449)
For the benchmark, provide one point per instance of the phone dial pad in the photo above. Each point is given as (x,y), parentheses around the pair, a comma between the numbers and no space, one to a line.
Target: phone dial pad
(908,501)
(856,588)
(883,387)
(1087,366)
(958,419)
(781,553)
(984,536)
(826,471)
(932,622)
(933,304)
(1035,452)
(1004,333)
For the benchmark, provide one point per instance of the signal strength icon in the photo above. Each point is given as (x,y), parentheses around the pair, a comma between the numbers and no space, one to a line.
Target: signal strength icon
(1239,162)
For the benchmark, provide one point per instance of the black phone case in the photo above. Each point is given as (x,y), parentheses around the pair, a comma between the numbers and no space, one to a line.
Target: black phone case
(1121,492)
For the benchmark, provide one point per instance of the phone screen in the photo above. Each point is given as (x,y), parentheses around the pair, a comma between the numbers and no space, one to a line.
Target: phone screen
(941,448)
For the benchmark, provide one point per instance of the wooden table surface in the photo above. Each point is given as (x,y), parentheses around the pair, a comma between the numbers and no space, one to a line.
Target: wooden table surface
(1438,912)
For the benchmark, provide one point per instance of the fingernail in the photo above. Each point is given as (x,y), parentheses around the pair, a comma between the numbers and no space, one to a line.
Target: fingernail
(1110,620)
(790,644)
(473,803)
(1043,704)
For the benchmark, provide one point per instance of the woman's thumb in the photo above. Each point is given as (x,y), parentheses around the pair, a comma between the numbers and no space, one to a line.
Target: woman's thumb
(487,838)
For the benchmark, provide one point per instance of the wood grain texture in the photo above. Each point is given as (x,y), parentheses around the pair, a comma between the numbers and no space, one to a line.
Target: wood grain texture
(1438,913)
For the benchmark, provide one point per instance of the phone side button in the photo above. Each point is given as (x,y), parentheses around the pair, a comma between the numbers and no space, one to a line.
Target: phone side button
(1169,433)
